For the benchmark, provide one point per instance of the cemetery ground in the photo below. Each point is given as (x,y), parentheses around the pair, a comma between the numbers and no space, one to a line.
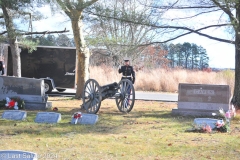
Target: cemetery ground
(149,131)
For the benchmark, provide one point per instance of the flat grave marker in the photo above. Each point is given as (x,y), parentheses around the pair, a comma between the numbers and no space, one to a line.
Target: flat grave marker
(88,119)
(48,117)
(14,115)
(17,155)
(201,122)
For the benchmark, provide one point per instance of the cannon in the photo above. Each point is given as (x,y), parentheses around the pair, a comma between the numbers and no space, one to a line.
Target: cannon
(94,94)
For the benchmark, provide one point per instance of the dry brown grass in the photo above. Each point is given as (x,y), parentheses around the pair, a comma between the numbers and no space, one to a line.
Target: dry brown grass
(164,80)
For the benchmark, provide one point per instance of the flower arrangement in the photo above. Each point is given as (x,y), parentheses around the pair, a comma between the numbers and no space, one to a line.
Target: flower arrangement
(12,103)
(207,125)
(76,116)
(222,126)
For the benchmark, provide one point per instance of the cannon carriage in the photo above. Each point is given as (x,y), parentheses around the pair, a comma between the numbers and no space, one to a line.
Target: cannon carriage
(94,94)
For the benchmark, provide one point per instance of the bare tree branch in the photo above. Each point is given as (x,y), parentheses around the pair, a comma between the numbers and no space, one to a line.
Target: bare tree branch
(3,32)
(183,7)
(194,31)
(197,14)
(227,10)
(199,33)
(172,5)
(45,32)
(174,27)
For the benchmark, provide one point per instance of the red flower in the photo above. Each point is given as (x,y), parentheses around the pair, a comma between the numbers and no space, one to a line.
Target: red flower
(11,104)
(77,115)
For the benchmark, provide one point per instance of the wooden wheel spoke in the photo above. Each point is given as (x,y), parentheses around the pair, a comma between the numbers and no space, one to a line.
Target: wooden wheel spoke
(126,100)
(92,96)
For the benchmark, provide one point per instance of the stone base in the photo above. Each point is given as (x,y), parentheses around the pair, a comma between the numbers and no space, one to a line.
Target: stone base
(37,105)
(194,112)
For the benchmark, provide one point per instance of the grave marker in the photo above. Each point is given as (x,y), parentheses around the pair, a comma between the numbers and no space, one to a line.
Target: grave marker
(202,99)
(48,117)
(28,89)
(86,119)
(201,122)
(14,115)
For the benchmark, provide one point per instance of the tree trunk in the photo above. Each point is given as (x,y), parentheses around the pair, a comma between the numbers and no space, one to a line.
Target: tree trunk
(236,95)
(12,41)
(15,58)
(82,53)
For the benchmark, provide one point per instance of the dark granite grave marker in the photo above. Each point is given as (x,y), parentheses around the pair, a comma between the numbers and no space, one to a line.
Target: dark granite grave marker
(29,89)
(202,99)
(48,117)
(14,115)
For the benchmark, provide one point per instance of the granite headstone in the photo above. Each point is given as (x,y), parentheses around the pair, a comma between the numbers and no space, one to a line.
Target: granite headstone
(17,155)
(14,115)
(88,119)
(202,99)
(201,122)
(31,90)
(48,117)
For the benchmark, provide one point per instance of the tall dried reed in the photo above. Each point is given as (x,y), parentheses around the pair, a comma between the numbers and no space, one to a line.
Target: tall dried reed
(163,80)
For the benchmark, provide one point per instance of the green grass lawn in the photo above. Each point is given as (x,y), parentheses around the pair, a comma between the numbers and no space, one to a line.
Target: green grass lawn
(148,132)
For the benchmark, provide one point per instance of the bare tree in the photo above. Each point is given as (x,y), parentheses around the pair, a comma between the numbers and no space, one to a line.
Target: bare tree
(109,28)
(74,10)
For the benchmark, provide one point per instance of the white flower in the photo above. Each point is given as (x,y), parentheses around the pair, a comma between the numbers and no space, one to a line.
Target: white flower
(221,111)
(214,114)
(8,99)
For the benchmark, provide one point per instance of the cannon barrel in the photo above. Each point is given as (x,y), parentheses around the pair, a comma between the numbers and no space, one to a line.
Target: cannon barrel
(109,90)
(111,86)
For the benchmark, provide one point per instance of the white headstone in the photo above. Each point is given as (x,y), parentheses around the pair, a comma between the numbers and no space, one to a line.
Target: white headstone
(17,155)
(14,115)
(48,117)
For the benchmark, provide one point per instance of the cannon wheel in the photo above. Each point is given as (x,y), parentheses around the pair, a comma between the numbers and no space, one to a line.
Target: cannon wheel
(125,100)
(92,96)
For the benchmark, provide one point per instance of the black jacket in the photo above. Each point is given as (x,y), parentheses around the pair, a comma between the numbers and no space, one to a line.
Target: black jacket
(127,71)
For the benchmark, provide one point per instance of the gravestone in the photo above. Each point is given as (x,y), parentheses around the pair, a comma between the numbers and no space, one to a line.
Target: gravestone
(28,89)
(88,119)
(17,155)
(202,99)
(48,117)
(201,122)
(14,115)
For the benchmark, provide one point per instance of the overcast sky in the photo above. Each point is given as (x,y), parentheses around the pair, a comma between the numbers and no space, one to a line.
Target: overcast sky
(222,55)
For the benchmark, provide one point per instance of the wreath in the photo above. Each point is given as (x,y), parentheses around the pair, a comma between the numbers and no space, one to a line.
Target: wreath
(12,103)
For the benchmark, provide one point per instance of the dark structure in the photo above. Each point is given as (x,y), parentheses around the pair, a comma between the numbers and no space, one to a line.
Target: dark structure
(55,65)
(93,94)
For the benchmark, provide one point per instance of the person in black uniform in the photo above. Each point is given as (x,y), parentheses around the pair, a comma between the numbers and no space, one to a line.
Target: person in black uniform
(127,71)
